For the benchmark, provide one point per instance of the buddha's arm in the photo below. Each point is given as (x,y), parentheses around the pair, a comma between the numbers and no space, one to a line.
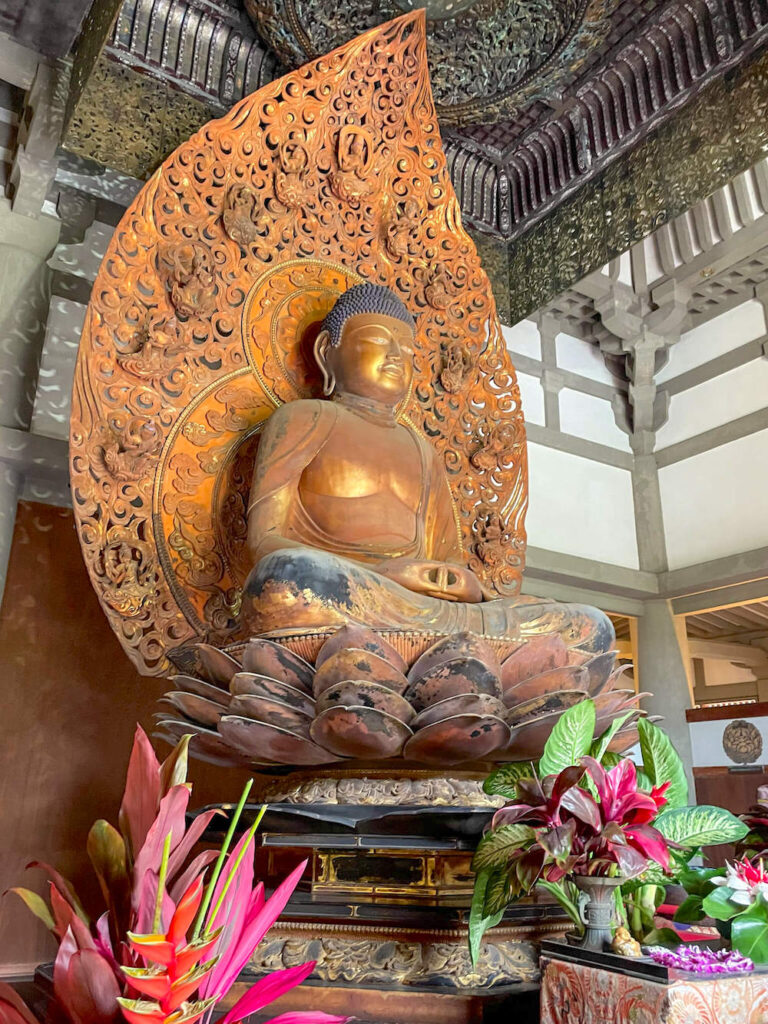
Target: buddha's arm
(442,573)
(292,437)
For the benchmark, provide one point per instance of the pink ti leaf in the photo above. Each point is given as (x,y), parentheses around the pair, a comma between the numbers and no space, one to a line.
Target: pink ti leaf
(268,989)
(142,793)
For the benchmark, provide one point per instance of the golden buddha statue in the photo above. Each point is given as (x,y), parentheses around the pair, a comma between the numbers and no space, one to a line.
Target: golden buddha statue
(351,517)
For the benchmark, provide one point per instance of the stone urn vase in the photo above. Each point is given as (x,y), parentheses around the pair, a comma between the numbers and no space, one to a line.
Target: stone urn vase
(598,912)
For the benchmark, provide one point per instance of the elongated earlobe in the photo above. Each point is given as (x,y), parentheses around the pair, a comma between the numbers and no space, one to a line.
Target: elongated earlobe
(322,344)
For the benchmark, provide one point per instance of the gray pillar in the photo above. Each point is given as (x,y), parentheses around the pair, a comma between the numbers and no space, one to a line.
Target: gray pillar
(9,497)
(661,670)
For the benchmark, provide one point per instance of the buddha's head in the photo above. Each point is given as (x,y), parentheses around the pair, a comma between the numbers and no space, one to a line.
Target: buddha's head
(365,346)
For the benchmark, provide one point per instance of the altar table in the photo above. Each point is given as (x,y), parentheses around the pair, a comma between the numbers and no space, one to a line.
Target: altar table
(573,993)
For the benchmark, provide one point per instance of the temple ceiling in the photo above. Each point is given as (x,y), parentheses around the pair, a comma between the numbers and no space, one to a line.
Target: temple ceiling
(535,97)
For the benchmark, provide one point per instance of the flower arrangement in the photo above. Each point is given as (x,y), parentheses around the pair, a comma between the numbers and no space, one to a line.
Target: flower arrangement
(701,961)
(737,898)
(583,811)
(171,942)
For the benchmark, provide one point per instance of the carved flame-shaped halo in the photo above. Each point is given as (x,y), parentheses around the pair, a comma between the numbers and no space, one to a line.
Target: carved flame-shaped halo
(333,174)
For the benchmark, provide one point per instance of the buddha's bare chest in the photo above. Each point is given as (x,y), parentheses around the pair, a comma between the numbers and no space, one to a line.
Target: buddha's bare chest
(364,461)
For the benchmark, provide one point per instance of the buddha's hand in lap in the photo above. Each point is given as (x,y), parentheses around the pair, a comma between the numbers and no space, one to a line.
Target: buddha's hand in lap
(442,580)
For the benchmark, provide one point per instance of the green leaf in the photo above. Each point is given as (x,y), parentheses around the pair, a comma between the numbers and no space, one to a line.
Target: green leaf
(690,910)
(610,760)
(503,780)
(497,846)
(498,894)
(479,922)
(570,739)
(37,905)
(661,937)
(600,746)
(107,852)
(567,901)
(704,825)
(698,881)
(719,905)
(643,781)
(662,762)
(749,932)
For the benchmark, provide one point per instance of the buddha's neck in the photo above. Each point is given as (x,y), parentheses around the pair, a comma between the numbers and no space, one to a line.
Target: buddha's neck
(369,408)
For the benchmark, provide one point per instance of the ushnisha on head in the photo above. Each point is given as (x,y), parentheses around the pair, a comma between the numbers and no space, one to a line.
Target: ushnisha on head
(365,346)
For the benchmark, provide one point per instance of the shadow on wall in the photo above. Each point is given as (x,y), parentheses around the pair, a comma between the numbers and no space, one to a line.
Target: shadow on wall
(72,700)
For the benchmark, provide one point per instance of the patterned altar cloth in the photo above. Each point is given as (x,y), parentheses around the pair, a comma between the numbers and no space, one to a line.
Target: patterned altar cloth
(579,994)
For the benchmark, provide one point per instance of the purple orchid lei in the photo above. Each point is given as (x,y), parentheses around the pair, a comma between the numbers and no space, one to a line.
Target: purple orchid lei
(701,961)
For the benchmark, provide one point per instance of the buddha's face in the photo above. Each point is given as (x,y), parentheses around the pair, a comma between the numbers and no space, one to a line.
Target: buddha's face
(374,359)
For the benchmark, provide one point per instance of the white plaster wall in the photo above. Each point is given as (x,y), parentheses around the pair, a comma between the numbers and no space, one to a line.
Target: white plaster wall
(591,418)
(523,338)
(582,357)
(716,401)
(580,507)
(50,415)
(716,504)
(532,397)
(722,334)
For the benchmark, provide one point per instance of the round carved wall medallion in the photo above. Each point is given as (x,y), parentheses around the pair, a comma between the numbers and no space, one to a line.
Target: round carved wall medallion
(742,742)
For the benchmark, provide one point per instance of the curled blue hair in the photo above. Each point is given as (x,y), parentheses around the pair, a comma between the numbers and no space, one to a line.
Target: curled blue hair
(365,298)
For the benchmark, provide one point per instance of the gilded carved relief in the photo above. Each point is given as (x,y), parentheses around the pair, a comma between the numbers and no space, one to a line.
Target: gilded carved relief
(205,309)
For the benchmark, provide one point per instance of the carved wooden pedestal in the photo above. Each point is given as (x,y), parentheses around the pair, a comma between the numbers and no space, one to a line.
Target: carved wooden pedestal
(384,908)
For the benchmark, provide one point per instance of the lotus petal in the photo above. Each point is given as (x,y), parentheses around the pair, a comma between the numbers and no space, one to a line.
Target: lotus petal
(357,693)
(351,663)
(461,704)
(360,638)
(267,658)
(542,654)
(624,740)
(206,744)
(613,702)
(570,677)
(199,709)
(534,708)
(217,666)
(457,645)
(359,732)
(191,684)
(600,669)
(264,742)
(527,741)
(617,677)
(263,686)
(451,678)
(272,712)
(457,739)
(578,657)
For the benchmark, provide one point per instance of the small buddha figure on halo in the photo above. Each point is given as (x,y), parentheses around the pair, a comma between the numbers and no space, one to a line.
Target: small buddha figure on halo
(351,517)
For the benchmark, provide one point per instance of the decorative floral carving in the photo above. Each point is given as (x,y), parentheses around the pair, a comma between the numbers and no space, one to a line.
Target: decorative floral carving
(125,574)
(439,289)
(125,447)
(492,536)
(190,279)
(353,180)
(457,362)
(244,217)
(289,176)
(402,231)
(225,330)
(498,448)
(348,957)
(154,348)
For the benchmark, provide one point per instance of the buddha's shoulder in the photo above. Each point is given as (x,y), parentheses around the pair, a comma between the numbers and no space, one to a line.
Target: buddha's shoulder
(299,416)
